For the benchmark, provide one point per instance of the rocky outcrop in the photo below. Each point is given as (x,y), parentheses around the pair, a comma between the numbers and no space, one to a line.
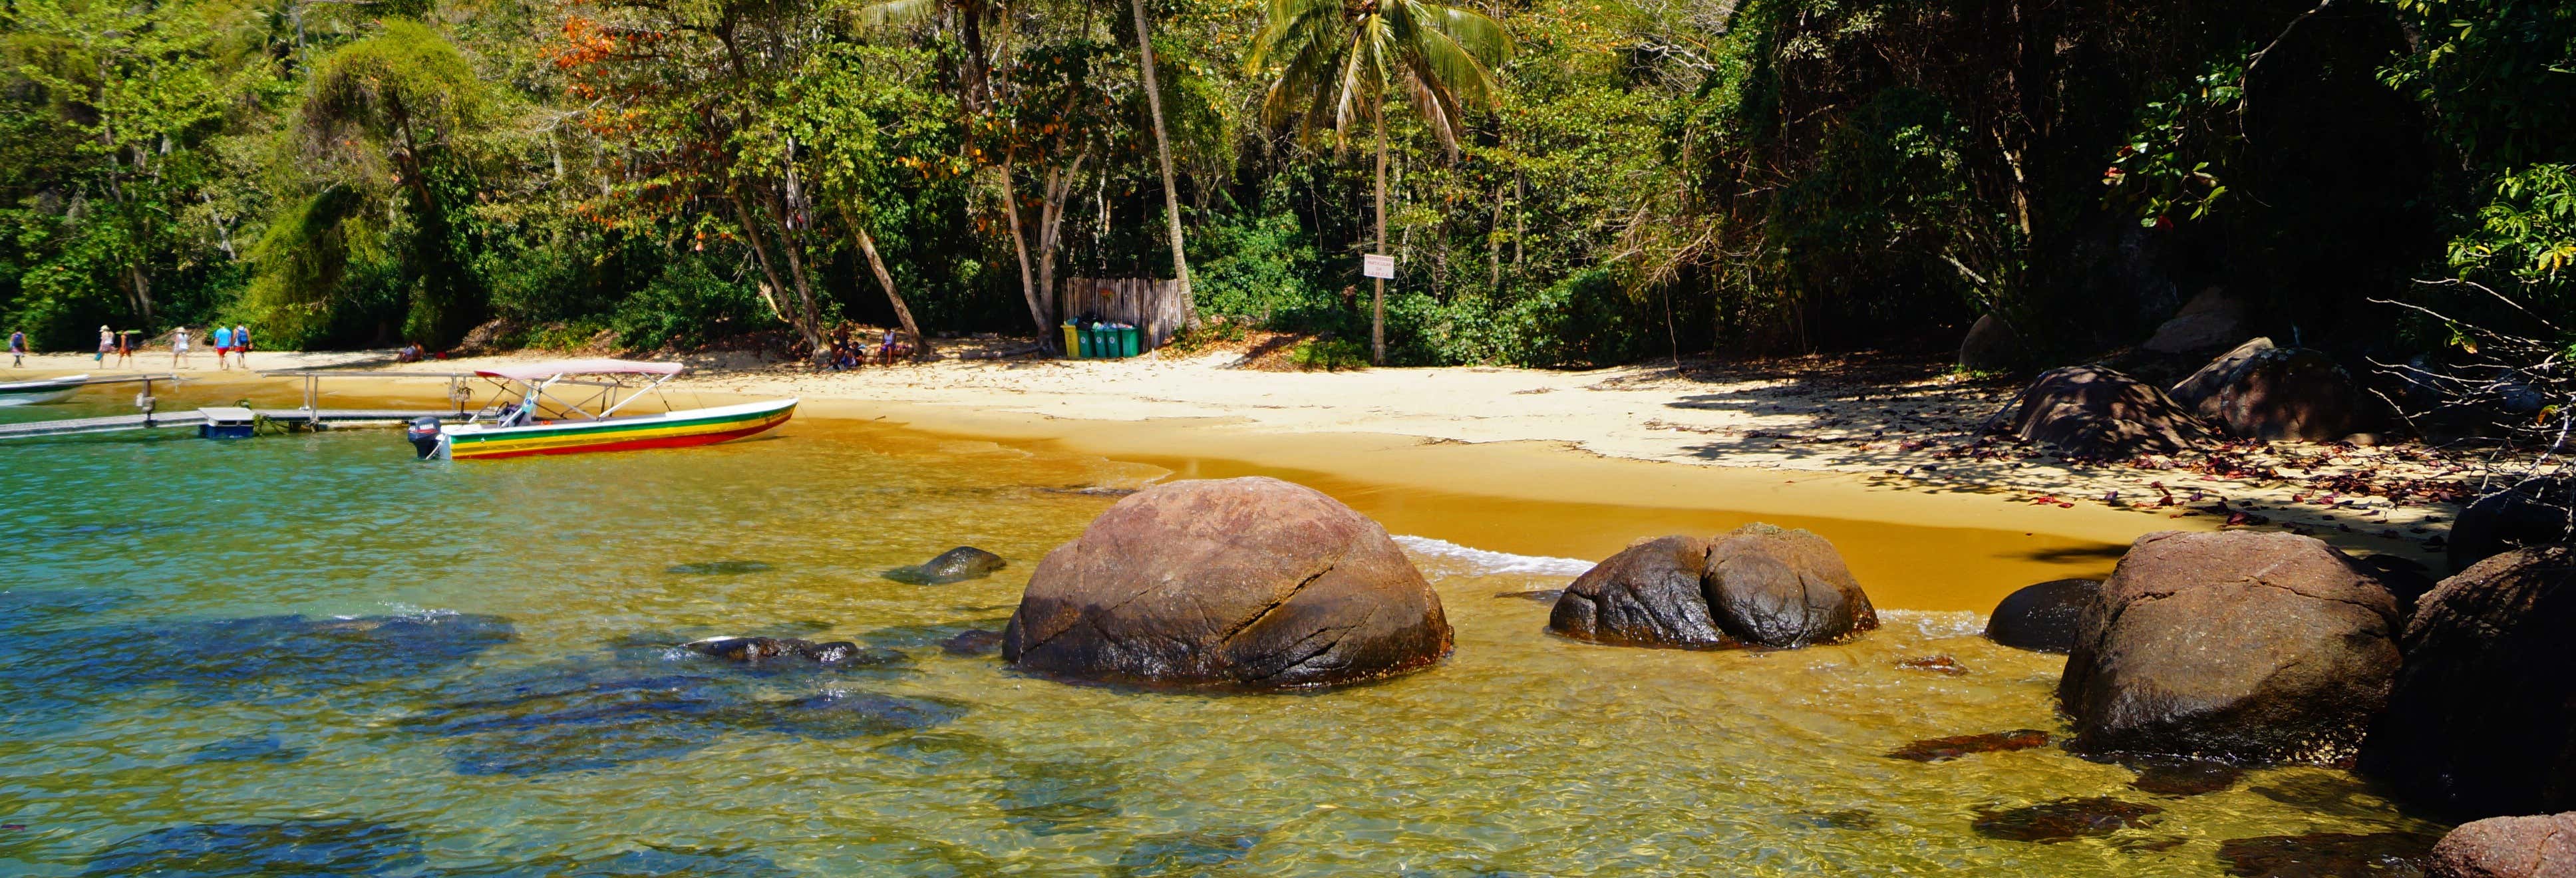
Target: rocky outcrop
(2482,719)
(2534,513)
(1756,586)
(2199,393)
(1249,582)
(2210,321)
(955,565)
(2094,412)
(2236,645)
(2042,617)
(2291,394)
(2509,847)
(1991,346)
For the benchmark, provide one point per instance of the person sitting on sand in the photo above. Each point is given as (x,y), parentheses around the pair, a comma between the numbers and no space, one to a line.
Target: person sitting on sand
(892,347)
(410,353)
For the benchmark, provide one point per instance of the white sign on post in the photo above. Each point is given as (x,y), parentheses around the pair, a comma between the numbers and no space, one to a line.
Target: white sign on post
(1374,265)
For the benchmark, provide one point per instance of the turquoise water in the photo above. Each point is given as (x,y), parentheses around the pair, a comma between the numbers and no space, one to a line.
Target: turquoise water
(310,654)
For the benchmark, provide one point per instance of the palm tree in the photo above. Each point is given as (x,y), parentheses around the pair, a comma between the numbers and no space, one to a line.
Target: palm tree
(1339,59)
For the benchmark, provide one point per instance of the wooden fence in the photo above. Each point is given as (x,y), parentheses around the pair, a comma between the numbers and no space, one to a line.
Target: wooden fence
(1154,307)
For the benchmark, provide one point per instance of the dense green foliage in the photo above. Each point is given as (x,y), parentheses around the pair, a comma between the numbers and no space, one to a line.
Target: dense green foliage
(1568,183)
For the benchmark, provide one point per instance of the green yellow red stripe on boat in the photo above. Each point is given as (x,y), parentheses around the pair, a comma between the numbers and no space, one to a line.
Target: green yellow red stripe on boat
(669,430)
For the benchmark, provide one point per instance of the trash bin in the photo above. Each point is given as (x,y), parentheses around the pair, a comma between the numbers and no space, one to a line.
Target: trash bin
(1100,343)
(1127,340)
(1072,340)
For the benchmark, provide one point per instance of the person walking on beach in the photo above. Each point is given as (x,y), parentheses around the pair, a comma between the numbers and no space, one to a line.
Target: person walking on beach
(18,349)
(223,347)
(179,347)
(106,340)
(125,345)
(241,344)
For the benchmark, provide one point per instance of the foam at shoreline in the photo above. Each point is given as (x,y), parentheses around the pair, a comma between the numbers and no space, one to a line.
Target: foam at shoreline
(1486,562)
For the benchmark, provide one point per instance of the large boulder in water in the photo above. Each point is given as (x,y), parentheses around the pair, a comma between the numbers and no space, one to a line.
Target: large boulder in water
(2235,645)
(1757,586)
(2509,847)
(1991,346)
(1250,582)
(2090,411)
(2042,617)
(2482,720)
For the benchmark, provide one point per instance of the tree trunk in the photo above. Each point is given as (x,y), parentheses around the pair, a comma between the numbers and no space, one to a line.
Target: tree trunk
(1020,246)
(1163,153)
(760,253)
(1377,301)
(1494,247)
(921,349)
(1059,187)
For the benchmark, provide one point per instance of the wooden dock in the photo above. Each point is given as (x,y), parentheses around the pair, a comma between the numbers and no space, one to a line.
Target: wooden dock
(305,417)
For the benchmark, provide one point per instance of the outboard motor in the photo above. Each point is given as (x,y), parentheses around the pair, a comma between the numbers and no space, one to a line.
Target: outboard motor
(423,434)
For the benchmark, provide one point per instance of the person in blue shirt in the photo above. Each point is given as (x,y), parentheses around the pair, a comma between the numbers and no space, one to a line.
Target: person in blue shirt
(223,346)
(18,349)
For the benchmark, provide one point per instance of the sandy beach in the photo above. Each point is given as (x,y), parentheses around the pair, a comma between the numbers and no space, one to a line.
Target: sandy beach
(1884,438)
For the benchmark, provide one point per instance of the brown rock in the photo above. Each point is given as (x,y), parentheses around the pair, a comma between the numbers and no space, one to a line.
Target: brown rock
(2210,321)
(2090,411)
(2238,645)
(1759,585)
(1249,582)
(2199,393)
(1991,346)
(2291,394)
(2509,847)
(2482,719)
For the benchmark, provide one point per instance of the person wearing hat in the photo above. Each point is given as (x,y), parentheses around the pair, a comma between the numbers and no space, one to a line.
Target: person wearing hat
(106,340)
(179,346)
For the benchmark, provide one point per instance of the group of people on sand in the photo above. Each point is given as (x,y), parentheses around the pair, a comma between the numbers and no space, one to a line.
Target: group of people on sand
(848,354)
(232,347)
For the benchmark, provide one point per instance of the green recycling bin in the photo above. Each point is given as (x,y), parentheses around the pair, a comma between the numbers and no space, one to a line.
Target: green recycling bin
(1105,340)
(1127,341)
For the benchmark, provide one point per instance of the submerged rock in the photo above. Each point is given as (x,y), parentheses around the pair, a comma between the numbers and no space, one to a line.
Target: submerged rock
(777,650)
(2096,413)
(253,748)
(2042,617)
(1185,853)
(249,658)
(2508,847)
(1057,797)
(1759,585)
(2237,646)
(1934,664)
(2482,719)
(2328,855)
(1955,746)
(2064,819)
(2183,777)
(327,846)
(718,568)
(657,861)
(1536,595)
(955,565)
(976,642)
(1250,582)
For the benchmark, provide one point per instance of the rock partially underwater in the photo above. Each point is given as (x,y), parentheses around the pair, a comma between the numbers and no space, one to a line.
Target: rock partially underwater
(2482,720)
(2042,617)
(2236,646)
(248,659)
(955,565)
(1245,583)
(1759,585)
(640,704)
(328,846)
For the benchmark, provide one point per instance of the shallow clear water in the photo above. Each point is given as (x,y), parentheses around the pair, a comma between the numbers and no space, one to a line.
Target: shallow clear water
(182,692)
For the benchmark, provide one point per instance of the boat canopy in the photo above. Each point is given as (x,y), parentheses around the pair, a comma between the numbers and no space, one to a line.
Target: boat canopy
(543,371)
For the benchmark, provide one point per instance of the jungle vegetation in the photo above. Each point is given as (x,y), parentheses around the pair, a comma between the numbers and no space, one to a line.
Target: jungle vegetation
(1564,182)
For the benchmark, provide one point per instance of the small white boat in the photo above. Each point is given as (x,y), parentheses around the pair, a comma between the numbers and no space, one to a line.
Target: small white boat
(542,423)
(40,390)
